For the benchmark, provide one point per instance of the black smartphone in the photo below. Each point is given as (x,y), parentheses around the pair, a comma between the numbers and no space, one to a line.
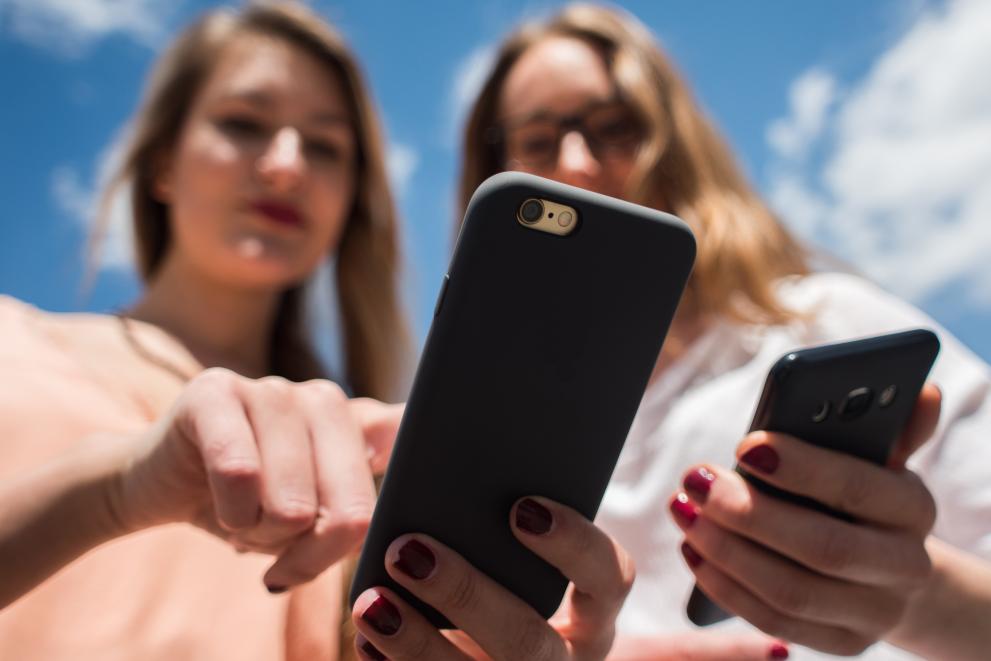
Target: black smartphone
(853,397)
(546,330)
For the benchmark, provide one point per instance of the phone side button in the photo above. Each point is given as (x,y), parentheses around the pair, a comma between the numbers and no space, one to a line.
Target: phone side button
(440,297)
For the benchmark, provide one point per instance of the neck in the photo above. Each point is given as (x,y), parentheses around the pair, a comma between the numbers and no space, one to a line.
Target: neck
(221,326)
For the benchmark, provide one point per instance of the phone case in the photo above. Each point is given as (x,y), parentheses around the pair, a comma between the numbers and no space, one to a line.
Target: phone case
(799,383)
(539,353)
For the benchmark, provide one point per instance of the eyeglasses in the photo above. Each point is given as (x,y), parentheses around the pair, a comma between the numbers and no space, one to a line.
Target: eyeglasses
(609,128)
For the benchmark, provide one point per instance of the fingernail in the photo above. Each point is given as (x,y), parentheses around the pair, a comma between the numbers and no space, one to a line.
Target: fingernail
(415,560)
(779,651)
(367,649)
(761,457)
(698,483)
(533,517)
(383,616)
(683,510)
(276,589)
(691,555)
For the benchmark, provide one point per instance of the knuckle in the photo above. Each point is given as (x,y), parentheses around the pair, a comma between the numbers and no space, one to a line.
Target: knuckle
(462,597)
(857,489)
(926,508)
(532,642)
(719,546)
(294,512)
(325,394)
(350,526)
(793,597)
(237,470)
(417,645)
(214,379)
(627,574)
(741,510)
(275,389)
(834,552)
(583,539)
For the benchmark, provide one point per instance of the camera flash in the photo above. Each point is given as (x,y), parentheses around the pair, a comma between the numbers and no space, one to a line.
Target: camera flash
(565,218)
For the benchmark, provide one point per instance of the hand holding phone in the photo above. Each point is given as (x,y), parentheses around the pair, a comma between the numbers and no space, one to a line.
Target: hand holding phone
(492,622)
(836,575)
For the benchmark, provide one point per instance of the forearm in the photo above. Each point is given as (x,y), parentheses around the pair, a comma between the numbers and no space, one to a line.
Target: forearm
(57,513)
(948,619)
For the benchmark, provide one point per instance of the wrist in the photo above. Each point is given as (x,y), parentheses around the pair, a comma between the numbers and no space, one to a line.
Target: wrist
(50,517)
(947,618)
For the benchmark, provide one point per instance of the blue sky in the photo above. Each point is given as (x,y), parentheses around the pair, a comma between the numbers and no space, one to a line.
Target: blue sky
(867,126)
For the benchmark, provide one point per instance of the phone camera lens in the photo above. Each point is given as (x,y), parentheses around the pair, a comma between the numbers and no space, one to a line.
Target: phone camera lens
(821,411)
(887,396)
(856,403)
(531,211)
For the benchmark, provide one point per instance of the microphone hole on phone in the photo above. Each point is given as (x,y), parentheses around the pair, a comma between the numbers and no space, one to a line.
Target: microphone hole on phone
(821,411)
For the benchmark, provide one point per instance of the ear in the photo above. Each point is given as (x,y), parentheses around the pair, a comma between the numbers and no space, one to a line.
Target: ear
(161,180)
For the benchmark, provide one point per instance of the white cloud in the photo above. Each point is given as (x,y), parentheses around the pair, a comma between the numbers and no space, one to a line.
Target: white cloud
(903,190)
(401,162)
(469,76)
(68,26)
(79,199)
(809,98)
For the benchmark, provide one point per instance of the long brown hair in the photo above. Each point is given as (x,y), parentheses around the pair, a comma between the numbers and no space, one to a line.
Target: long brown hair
(374,333)
(684,166)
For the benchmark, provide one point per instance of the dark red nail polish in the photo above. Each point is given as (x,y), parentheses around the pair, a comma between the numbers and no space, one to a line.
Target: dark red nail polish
(761,457)
(367,649)
(383,616)
(691,555)
(778,652)
(683,510)
(415,560)
(276,589)
(532,517)
(698,483)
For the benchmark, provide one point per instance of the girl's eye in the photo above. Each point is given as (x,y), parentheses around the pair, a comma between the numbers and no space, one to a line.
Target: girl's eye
(242,126)
(326,150)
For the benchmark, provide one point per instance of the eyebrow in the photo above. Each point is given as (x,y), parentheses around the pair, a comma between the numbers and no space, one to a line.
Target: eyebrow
(264,100)
(545,114)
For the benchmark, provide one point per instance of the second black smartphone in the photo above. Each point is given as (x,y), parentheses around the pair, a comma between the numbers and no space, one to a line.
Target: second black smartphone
(853,397)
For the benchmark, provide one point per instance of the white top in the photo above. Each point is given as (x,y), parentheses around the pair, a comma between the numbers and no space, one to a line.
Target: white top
(699,409)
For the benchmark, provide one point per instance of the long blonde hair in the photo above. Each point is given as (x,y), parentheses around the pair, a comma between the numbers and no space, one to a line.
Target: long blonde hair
(684,166)
(375,339)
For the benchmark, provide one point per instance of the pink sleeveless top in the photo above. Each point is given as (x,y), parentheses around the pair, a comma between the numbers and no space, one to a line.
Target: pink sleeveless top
(172,592)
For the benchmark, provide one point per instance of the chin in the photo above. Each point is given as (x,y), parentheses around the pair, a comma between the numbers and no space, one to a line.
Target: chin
(266,272)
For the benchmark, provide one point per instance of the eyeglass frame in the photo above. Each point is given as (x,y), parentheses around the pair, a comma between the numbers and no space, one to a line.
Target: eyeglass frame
(496,134)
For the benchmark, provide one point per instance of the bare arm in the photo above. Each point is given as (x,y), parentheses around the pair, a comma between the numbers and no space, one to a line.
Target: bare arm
(266,465)
(949,618)
(56,514)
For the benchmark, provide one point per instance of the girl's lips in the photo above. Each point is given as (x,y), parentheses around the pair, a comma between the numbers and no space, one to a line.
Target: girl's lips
(282,214)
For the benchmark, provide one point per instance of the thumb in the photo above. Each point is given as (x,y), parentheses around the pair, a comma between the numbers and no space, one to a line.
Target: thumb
(700,646)
(379,423)
(920,426)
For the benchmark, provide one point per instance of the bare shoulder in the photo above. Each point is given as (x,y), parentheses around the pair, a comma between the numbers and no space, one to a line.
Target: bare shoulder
(31,333)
